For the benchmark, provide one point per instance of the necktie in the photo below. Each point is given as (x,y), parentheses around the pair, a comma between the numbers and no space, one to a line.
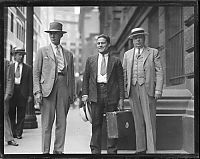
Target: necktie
(103,66)
(138,54)
(17,73)
(60,60)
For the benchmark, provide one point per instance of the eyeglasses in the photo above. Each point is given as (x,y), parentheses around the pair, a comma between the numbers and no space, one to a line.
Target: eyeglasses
(98,43)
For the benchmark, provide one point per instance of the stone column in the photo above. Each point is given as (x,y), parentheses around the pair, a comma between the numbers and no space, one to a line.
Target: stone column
(30,118)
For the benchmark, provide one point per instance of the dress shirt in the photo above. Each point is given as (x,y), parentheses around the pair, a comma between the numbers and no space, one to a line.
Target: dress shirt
(18,80)
(100,78)
(141,49)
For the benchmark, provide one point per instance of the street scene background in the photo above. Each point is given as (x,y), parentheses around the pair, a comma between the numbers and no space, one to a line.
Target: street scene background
(171,31)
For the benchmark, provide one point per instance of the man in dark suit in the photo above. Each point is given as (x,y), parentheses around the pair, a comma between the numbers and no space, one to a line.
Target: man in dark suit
(103,87)
(18,91)
(53,87)
(7,125)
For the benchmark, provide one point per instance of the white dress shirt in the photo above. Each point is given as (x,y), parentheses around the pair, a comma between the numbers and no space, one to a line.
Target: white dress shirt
(100,78)
(18,80)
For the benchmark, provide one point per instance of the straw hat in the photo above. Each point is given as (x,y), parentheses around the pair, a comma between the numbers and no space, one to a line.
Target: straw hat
(137,31)
(16,50)
(55,27)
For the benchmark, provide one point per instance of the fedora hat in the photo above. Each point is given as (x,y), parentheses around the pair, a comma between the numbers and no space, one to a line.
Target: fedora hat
(17,50)
(55,27)
(137,31)
(85,112)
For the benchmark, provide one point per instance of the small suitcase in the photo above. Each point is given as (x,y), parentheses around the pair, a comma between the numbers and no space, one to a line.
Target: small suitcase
(125,130)
(117,124)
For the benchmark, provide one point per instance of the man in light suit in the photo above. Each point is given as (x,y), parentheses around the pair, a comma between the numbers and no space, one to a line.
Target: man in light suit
(103,86)
(143,78)
(53,87)
(18,92)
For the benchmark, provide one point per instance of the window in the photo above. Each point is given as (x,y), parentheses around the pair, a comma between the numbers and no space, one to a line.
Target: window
(20,32)
(11,23)
(174,46)
(153,29)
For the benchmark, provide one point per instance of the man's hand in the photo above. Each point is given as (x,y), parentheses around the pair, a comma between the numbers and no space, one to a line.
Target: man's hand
(84,98)
(38,98)
(7,98)
(121,104)
(29,99)
(158,95)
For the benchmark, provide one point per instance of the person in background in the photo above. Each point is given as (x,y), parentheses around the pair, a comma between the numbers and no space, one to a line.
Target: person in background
(18,91)
(7,125)
(143,78)
(103,86)
(53,87)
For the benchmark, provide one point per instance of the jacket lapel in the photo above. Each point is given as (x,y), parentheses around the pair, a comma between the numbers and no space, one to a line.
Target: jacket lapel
(95,66)
(110,66)
(145,53)
(66,56)
(50,53)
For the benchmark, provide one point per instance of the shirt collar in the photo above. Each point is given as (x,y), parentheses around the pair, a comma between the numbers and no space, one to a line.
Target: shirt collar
(54,46)
(105,55)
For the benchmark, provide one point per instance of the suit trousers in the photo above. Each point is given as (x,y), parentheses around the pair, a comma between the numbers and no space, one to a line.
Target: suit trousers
(57,103)
(17,108)
(98,110)
(144,113)
(7,125)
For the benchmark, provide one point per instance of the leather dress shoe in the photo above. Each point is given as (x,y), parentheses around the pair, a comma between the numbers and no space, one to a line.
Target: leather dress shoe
(19,137)
(13,143)
(57,152)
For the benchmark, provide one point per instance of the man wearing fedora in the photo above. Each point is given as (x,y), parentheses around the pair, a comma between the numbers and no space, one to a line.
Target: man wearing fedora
(103,86)
(53,87)
(143,78)
(18,91)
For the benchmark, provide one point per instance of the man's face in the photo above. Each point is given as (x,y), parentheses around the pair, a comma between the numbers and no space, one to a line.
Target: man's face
(138,41)
(19,57)
(55,37)
(102,45)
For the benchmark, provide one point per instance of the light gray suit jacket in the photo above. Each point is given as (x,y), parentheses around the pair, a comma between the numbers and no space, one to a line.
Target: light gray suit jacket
(45,71)
(152,69)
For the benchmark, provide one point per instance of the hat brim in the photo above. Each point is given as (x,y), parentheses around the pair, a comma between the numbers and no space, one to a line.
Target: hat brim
(132,35)
(49,31)
(17,52)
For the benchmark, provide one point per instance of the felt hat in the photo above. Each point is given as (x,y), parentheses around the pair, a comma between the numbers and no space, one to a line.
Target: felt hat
(137,31)
(55,27)
(85,112)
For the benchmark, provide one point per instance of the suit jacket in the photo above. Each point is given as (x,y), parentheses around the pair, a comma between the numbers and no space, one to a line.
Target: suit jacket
(152,69)
(26,80)
(115,83)
(45,71)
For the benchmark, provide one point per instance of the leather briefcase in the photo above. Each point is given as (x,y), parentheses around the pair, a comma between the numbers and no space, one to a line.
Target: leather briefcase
(126,131)
(118,125)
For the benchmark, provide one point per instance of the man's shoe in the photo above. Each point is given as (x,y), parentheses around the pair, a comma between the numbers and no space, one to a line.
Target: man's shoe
(13,143)
(19,137)
(57,152)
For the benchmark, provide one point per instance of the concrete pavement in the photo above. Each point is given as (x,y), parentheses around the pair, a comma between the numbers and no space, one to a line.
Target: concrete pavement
(76,142)
(77,139)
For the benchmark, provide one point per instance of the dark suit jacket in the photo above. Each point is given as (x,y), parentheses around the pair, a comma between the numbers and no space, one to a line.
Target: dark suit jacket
(115,81)
(26,80)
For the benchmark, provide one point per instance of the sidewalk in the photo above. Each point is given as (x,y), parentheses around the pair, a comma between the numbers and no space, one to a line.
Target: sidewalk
(77,138)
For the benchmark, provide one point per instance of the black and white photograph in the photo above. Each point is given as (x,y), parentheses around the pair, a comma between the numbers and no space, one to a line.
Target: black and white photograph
(99,79)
